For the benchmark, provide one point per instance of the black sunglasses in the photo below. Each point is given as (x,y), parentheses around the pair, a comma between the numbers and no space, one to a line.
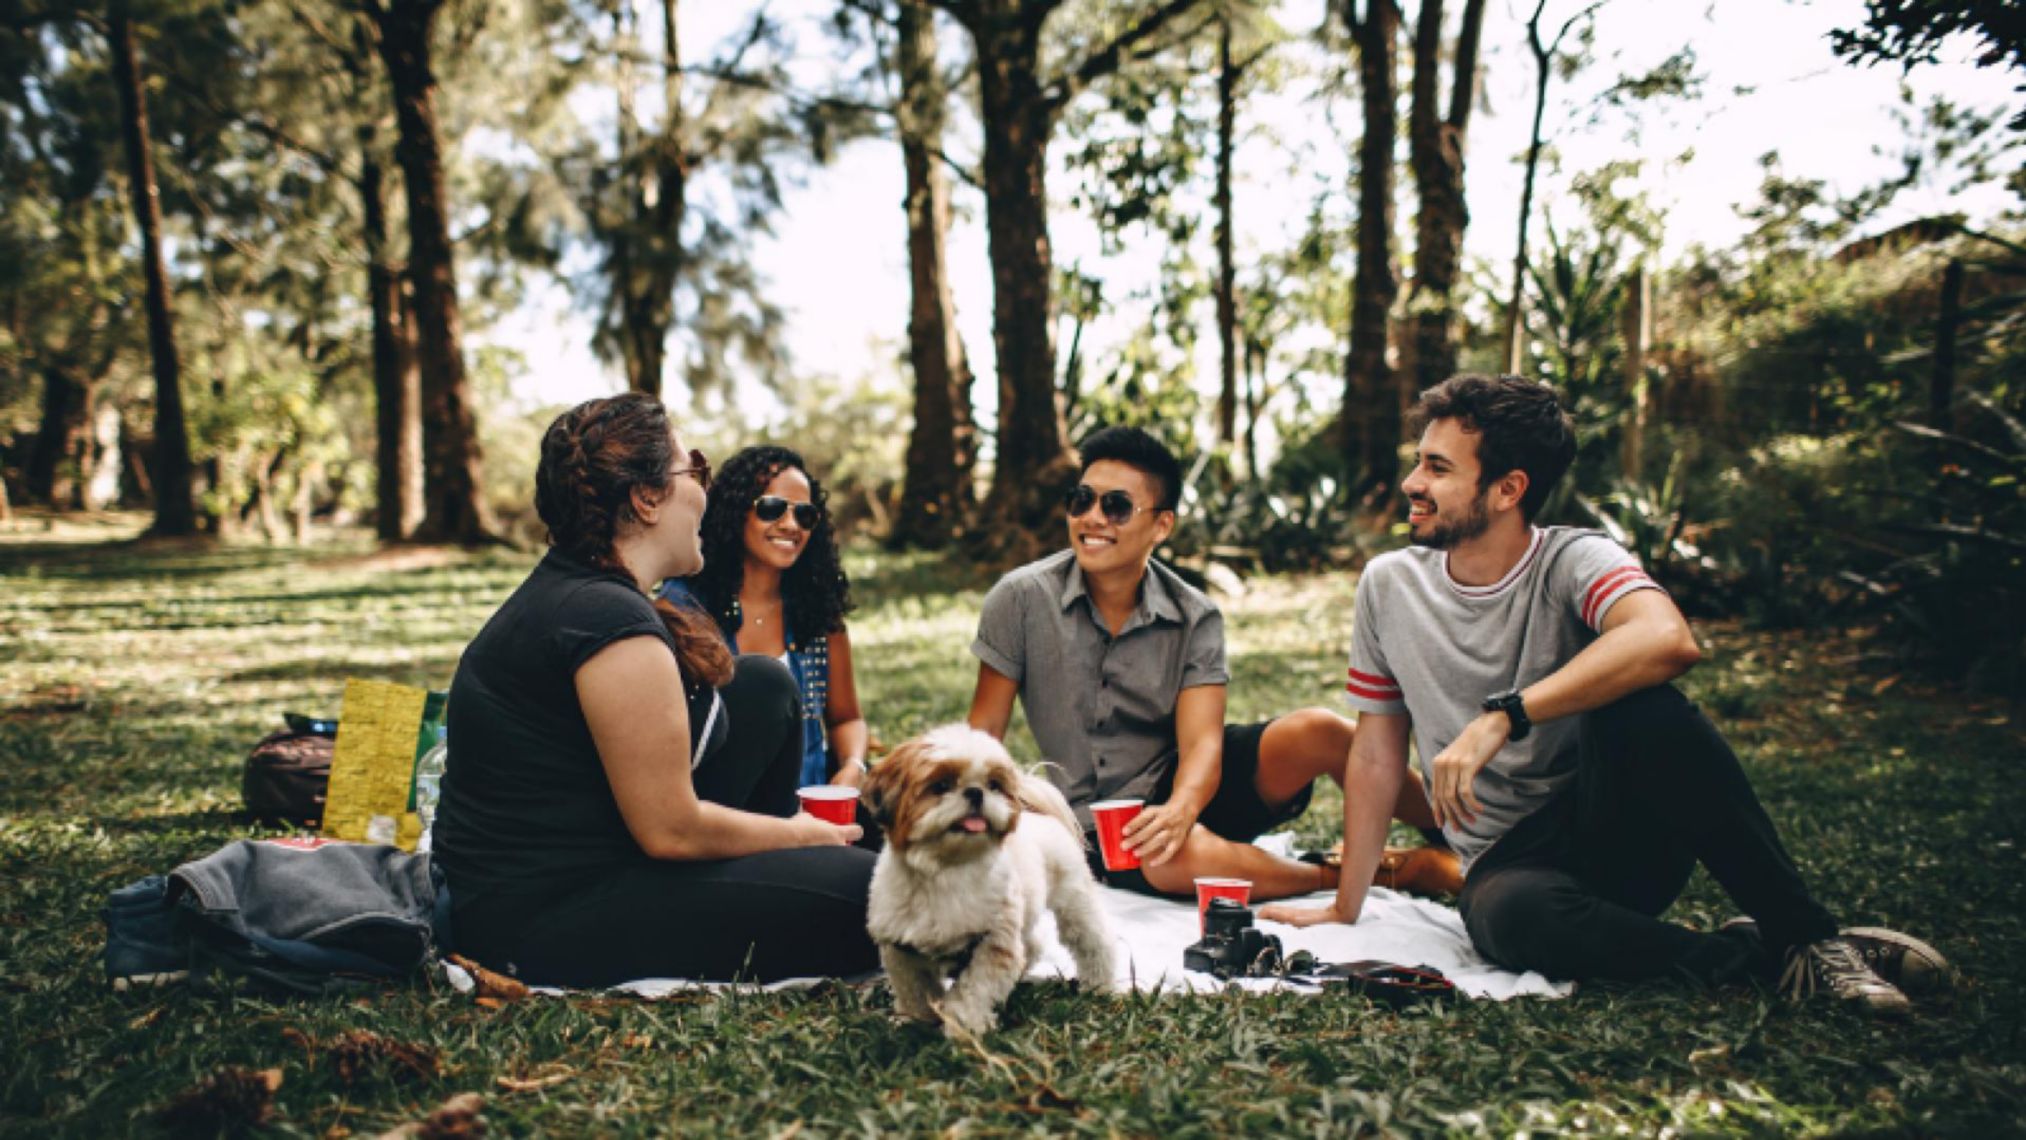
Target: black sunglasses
(771,507)
(1117,506)
(699,467)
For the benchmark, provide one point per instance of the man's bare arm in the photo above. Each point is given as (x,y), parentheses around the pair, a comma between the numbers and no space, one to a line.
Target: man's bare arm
(1378,762)
(992,701)
(1157,833)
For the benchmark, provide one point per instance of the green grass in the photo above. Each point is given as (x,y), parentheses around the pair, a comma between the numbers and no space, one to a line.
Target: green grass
(132,681)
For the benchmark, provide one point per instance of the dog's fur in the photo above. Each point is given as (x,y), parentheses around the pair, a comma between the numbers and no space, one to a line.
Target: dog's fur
(975,850)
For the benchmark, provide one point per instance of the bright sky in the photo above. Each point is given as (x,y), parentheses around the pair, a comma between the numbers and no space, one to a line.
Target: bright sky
(837,263)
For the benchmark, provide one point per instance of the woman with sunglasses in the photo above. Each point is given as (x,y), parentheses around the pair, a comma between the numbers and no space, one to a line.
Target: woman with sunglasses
(772,579)
(592,830)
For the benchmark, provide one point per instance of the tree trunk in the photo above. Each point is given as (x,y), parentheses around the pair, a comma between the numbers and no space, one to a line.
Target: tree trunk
(1371,413)
(1636,328)
(454,507)
(1254,363)
(1227,273)
(175,508)
(647,250)
(1436,148)
(1034,464)
(1543,58)
(397,384)
(397,381)
(936,500)
(50,474)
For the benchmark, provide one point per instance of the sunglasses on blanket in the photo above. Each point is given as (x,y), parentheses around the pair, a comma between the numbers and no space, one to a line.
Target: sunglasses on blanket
(1118,507)
(770,508)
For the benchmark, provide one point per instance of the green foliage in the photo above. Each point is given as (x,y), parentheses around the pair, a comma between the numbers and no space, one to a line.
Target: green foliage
(1910,32)
(119,767)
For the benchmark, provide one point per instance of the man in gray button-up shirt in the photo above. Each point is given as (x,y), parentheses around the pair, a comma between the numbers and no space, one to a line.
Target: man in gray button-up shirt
(1119,664)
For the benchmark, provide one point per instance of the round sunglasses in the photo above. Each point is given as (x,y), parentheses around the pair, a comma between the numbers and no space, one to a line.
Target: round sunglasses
(770,508)
(1118,507)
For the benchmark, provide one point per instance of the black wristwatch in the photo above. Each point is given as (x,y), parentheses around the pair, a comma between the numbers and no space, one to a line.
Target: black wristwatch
(1515,710)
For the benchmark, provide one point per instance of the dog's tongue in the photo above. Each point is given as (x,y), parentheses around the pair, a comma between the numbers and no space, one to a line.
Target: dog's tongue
(973,824)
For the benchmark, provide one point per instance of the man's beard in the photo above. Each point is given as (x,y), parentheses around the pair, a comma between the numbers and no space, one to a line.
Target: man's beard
(1445,536)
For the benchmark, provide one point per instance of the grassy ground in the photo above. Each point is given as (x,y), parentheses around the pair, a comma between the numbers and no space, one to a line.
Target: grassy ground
(132,680)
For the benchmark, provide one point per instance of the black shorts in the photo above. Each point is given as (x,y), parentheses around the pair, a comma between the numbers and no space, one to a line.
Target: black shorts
(1235,812)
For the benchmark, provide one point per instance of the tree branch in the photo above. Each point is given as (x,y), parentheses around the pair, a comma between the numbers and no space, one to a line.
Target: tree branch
(1106,60)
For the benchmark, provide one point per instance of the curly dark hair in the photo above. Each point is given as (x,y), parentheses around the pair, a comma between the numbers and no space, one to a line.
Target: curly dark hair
(814,591)
(1520,426)
(594,457)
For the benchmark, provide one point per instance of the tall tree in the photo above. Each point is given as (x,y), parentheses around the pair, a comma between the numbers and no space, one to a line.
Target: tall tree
(1544,54)
(936,496)
(1227,269)
(397,381)
(1020,104)
(645,249)
(175,506)
(693,175)
(1371,411)
(1435,142)
(455,509)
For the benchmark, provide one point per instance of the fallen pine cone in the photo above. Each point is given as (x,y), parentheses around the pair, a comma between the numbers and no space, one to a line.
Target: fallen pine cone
(494,986)
(459,1118)
(231,1100)
(360,1052)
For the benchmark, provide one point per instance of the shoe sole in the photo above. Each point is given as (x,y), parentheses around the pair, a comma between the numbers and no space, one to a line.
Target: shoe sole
(1922,969)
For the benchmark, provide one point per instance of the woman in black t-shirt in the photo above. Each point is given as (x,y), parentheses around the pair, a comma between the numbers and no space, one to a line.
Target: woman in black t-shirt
(593,827)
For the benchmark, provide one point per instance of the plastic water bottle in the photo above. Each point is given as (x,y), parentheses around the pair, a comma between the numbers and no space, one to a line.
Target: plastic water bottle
(429,785)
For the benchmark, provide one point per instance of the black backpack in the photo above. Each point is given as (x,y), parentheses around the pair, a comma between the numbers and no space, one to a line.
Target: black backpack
(288,772)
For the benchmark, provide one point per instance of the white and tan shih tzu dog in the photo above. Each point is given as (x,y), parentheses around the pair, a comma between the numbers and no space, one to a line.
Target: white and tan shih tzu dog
(976,850)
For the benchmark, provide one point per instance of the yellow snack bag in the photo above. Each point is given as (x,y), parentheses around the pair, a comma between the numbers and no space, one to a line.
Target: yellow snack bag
(384,729)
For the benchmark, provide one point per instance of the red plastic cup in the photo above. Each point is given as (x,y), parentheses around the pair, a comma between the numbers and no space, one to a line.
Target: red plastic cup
(1111,817)
(832,802)
(1237,890)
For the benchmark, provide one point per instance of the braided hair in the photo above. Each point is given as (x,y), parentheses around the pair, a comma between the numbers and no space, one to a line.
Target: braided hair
(815,594)
(594,457)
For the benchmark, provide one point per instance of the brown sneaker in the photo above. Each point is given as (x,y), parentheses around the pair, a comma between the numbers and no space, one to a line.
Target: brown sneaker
(1835,966)
(1902,961)
(1917,968)
(1420,871)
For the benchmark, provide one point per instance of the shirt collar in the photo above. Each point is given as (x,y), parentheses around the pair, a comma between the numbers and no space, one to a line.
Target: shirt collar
(1156,602)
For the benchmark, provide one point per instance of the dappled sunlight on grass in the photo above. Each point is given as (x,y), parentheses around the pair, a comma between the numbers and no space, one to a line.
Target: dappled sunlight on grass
(134,679)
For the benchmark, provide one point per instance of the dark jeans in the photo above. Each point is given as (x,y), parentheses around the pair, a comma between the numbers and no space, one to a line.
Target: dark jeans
(1573,890)
(778,914)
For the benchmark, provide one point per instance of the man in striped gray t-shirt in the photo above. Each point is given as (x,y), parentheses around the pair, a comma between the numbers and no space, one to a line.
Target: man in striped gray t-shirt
(1530,669)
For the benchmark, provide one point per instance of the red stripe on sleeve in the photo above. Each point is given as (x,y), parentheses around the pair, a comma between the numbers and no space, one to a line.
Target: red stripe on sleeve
(1605,587)
(1374,681)
(1357,690)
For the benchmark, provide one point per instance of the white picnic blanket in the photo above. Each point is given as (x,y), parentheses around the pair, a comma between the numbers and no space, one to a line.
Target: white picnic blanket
(1151,934)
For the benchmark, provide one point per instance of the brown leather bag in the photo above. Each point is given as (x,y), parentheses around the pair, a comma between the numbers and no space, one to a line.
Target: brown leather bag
(287,774)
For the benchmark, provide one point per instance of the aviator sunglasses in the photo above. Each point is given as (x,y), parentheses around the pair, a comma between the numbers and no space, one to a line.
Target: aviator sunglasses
(771,507)
(1117,506)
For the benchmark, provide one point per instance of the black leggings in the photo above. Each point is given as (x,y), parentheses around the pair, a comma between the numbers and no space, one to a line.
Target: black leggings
(779,914)
(1574,889)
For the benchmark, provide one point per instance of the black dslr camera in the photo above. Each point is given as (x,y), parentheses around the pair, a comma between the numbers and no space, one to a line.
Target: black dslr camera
(1232,947)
